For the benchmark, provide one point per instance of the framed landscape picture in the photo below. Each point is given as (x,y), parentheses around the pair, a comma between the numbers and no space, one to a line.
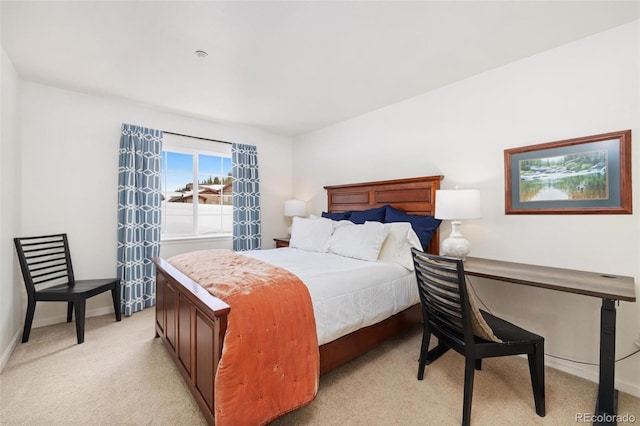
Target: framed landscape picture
(588,175)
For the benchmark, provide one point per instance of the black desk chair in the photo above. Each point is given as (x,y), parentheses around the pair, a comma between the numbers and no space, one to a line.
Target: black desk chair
(48,275)
(451,314)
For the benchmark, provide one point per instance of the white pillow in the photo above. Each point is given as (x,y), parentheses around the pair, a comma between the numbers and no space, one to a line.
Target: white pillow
(358,241)
(310,234)
(397,245)
(336,223)
(398,234)
(404,256)
(340,223)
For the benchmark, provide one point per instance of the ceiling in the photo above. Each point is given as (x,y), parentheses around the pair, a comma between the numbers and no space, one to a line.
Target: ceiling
(287,67)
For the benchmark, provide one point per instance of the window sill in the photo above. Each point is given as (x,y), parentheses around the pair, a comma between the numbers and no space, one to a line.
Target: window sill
(195,238)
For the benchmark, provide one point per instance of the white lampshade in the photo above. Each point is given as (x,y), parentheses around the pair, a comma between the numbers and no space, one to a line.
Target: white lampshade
(295,208)
(454,204)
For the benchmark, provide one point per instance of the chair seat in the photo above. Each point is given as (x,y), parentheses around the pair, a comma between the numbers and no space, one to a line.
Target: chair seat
(81,287)
(508,332)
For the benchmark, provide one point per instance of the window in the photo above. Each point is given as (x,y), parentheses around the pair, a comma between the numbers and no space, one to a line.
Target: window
(196,188)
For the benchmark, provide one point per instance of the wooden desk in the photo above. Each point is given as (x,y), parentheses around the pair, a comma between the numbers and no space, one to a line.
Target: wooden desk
(608,287)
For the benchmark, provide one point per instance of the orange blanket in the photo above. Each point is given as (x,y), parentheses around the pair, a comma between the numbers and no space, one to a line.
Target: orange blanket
(270,360)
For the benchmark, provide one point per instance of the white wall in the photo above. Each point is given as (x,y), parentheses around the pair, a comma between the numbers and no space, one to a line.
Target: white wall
(461,131)
(11,288)
(70,177)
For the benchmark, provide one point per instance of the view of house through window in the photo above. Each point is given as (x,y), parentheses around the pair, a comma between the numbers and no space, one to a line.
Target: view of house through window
(196,192)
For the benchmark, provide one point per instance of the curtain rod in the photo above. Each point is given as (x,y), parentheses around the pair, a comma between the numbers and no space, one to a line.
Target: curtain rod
(196,137)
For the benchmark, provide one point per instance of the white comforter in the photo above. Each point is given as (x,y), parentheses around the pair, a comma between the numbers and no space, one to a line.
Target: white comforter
(347,293)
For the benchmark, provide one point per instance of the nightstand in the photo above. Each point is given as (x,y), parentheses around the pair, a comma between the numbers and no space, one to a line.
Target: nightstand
(282,242)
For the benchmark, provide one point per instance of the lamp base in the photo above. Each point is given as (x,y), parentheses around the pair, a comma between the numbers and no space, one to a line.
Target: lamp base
(455,247)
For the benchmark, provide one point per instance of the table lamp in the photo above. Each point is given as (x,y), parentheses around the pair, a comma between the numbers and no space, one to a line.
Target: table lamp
(456,204)
(294,208)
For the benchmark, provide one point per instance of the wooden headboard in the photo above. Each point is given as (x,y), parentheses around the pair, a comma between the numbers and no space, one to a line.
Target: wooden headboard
(413,195)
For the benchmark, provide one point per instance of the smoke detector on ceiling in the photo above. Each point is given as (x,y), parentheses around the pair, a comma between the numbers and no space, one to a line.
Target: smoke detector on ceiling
(201,54)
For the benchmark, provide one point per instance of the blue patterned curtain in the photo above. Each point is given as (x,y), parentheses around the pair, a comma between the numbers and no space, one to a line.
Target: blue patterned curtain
(246,197)
(138,215)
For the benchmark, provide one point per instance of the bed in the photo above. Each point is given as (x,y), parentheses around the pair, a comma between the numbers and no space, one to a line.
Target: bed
(192,323)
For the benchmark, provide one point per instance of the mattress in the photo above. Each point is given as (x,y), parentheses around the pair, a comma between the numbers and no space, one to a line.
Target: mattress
(347,294)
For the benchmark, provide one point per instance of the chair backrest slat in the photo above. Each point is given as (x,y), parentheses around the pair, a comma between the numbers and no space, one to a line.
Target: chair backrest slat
(43,252)
(46,245)
(443,294)
(49,272)
(34,266)
(44,261)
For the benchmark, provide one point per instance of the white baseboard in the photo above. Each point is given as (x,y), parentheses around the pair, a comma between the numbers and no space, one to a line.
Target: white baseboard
(591,373)
(7,352)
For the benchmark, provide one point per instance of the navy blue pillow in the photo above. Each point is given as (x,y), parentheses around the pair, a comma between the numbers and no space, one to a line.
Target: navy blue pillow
(424,226)
(371,215)
(337,216)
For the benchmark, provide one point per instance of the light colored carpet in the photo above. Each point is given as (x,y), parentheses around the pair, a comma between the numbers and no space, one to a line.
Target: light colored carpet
(122,375)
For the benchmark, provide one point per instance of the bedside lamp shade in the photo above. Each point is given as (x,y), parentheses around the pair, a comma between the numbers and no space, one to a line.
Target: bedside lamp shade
(455,204)
(295,208)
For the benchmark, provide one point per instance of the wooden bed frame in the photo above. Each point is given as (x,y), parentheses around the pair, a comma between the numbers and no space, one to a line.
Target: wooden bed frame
(192,323)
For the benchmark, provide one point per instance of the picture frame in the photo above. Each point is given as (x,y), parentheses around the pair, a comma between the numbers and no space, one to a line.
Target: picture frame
(586,175)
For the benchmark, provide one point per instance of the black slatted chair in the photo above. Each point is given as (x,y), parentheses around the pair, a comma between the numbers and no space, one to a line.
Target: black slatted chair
(450,314)
(48,275)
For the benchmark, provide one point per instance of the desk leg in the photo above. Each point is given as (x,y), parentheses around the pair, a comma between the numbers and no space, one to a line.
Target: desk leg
(607,403)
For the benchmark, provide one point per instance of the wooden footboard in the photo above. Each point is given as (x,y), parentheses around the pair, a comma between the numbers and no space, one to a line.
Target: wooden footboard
(191,323)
